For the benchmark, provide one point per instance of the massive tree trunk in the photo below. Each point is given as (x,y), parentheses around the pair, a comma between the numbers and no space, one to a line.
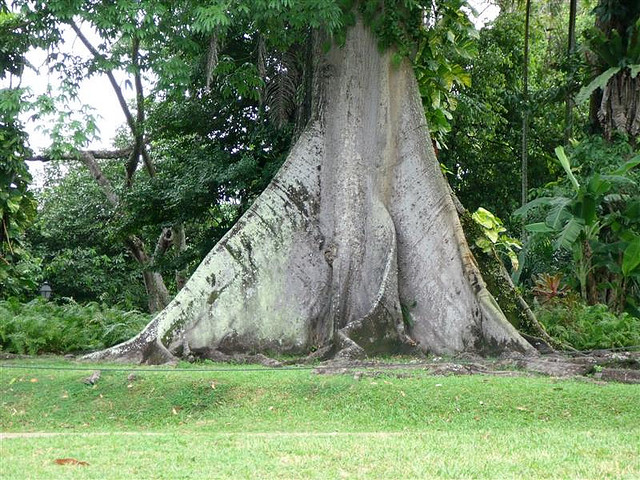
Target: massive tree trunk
(355,246)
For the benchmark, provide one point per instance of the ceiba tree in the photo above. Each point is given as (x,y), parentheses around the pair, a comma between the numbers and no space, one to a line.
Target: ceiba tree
(354,248)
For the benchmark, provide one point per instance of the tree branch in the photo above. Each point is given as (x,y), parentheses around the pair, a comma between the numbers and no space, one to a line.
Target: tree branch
(135,125)
(112,79)
(138,132)
(100,178)
(97,154)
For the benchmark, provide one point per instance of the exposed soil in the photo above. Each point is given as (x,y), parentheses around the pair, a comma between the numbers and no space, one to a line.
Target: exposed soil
(601,365)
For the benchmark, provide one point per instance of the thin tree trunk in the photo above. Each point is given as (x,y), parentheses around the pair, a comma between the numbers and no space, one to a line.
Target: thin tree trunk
(212,60)
(525,107)
(180,242)
(157,293)
(571,48)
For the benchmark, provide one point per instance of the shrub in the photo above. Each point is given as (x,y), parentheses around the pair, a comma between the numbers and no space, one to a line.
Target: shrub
(588,327)
(45,327)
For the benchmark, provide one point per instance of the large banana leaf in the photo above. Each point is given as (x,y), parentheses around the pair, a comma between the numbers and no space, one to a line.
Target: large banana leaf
(564,161)
(539,227)
(570,233)
(538,202)
(628,165)
(599,82)
(631,257)
(559,213)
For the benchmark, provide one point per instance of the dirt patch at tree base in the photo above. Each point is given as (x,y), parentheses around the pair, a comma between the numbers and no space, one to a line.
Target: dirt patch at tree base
(622,366)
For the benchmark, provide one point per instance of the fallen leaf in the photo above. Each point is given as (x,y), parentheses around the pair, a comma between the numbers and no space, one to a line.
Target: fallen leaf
(34,380)
(175,410)
(213,385)
(70,461)
(130,385)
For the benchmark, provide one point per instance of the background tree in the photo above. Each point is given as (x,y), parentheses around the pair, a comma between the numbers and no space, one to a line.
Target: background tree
(484,144)
(143,37)
(18,269)
(614,46)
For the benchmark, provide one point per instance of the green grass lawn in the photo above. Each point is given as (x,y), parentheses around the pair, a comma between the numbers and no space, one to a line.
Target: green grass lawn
(293,424)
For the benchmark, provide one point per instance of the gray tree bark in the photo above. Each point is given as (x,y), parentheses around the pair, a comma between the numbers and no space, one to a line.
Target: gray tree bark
(355,247)
(620,105)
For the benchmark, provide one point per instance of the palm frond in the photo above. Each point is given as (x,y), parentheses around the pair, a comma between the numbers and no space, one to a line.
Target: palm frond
(281,89)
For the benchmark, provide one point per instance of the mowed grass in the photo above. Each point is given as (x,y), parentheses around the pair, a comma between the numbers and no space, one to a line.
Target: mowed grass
(294,424)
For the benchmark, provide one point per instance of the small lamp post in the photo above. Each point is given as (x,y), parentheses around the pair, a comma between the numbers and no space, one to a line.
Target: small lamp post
(45,290)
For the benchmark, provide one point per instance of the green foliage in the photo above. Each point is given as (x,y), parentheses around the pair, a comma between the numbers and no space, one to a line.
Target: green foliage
(618,47)
(445,45)
(593,213)
(484,142)
(631,257)
(589,327)
(12,46)
(494,239)
(85,275)
(80,242)
(18,269)
(46,327)
(599,82)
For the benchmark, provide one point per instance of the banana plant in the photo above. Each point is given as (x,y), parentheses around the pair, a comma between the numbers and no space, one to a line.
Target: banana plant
(577,219)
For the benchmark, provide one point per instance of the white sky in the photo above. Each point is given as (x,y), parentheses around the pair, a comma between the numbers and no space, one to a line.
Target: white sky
(97,92)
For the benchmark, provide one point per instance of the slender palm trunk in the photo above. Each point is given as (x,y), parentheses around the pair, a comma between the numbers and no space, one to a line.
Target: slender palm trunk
(525,107)
(571,48)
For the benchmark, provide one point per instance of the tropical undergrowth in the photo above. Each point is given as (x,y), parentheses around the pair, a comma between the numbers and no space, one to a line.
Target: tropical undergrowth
(584,244)
(46,327)
(589,327)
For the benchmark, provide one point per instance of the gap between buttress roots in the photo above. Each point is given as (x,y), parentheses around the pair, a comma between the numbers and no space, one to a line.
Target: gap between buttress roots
(384,322)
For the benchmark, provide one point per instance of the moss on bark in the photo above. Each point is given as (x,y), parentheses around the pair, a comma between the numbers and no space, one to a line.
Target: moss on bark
(495,276)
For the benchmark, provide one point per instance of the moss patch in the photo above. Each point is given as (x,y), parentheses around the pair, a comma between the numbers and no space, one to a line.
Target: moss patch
(491,269)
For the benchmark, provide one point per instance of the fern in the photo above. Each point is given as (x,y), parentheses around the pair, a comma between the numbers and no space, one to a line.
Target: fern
(39,326)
